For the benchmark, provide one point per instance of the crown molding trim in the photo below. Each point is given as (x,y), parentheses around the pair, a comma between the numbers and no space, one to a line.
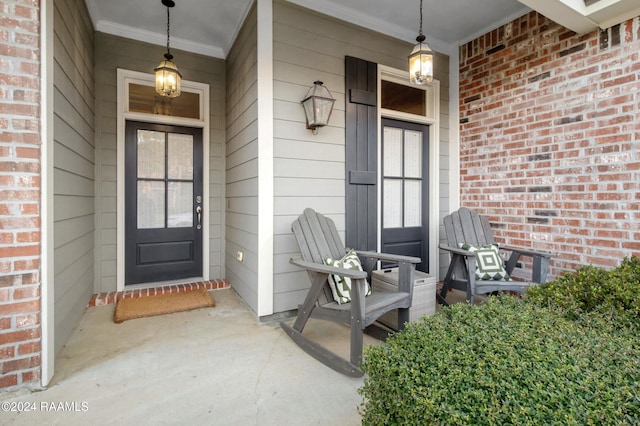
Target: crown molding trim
(159,39)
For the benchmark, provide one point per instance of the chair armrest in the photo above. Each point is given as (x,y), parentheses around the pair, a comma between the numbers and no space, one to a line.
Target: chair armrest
(389,257)
(457,250)
(526,252)
(540,262)
(325,269)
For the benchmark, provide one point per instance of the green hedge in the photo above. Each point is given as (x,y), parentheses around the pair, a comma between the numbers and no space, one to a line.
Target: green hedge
(614,293)
(504,362)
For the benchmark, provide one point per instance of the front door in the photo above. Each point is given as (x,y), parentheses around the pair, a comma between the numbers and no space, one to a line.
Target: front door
(163,202)
(405,190)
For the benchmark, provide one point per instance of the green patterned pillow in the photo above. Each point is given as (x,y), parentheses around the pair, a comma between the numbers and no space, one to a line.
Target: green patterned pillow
(341,286)
(489,264)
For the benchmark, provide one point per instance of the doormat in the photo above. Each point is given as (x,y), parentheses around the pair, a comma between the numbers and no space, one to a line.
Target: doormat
(140,307)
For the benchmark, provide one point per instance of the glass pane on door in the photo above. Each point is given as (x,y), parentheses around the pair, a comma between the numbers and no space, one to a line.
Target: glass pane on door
(150,154)
(392,152)
(392,215)
(180,205)
(412,154)
(150,204)
(413,203)
(180,156)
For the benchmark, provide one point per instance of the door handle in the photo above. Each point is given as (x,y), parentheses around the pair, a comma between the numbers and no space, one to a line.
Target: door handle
(199,213)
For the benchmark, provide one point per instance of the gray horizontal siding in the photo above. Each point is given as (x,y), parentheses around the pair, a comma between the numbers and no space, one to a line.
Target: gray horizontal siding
(242,163)
(309,170)
(114,52)
(74,165)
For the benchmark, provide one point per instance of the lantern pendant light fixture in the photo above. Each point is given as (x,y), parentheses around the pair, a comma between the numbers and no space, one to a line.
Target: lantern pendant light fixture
(317,105)
(421,59)
(167,75)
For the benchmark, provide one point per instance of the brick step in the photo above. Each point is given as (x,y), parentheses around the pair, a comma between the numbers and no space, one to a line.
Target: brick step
(110,297)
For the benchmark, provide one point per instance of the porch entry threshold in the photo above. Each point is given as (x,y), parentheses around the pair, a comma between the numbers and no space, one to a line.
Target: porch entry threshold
(111,297)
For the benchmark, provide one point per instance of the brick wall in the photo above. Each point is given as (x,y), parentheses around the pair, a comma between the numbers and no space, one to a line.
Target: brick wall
(550,138)
(19,193)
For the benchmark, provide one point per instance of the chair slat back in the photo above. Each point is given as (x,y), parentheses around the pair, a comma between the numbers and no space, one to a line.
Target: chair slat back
(317,238)
(466,226)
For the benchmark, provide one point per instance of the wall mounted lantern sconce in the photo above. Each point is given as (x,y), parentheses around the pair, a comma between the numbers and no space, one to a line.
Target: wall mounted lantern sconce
(167,75)
(317,105)
(421,59)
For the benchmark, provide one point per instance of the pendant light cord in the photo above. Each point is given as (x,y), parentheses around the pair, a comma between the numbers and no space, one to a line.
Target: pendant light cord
(420,17)
(421,36)
(169,26)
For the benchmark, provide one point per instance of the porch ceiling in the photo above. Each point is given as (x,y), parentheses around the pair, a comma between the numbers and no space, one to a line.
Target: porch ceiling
(209,27)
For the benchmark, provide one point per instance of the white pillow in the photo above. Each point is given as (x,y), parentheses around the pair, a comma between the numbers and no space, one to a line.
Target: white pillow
(341,286)
(489,264)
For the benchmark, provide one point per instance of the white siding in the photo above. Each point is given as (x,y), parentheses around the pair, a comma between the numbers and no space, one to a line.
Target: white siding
(74,165)
(309,170)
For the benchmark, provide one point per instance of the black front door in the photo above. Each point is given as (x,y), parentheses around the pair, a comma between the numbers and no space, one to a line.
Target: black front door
(163,202)
(405,190)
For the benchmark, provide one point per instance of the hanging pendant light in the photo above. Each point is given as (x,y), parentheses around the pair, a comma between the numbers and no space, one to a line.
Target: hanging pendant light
(421,59)
(167,75)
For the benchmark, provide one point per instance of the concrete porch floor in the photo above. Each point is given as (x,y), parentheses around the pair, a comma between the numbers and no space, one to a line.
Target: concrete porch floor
(217,366)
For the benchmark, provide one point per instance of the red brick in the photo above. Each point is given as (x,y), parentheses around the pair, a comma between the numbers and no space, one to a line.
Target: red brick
(29,209)
(23,321)
(26,265)
(20,336)
(9,380)
(20,307)
(28,237)
(7,352)
(5,324)
(19,364)
(5,294)
(20,251)
(31,376)
(33,153)
(19,223)
(10,280)
(29,348)
(6,238)
(30,277)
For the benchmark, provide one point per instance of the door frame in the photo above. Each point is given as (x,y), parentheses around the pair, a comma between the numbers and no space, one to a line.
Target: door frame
(432,119)
(125,77)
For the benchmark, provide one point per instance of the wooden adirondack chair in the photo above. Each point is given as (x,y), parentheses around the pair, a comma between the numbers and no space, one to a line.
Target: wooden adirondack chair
(318,239)
(467,227)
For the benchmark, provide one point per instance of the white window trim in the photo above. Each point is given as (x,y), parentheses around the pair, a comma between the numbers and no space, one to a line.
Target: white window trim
(431,118)
(125,77)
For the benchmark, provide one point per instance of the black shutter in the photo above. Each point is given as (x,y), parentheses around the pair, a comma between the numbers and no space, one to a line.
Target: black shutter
(361,82)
